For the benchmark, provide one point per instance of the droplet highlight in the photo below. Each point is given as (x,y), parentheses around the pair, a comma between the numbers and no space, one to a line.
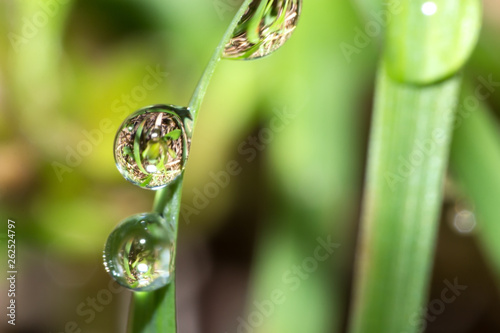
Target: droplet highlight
(152,145)
(429,8)
(264,28)
(139,253)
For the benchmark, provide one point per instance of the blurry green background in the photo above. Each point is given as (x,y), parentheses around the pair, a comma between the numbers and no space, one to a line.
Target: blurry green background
(71,71)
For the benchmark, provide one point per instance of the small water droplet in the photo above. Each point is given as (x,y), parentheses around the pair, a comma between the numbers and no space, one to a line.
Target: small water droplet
(152,146)
(139,252)
(264,28)
(464,221)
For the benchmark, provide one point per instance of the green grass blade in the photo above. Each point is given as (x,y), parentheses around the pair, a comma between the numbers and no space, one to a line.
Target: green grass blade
(155,311)
(416,96)
(313,176)
(408,157)
(137,148)
(201,89)
(253,33)
(475,162)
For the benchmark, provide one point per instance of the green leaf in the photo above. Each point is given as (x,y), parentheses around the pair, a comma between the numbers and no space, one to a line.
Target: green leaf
(174,135)
(172,153)
(407,162)
(146,181)
(253,34)
(421,48)
(152,151)
(127,151)
(137,148)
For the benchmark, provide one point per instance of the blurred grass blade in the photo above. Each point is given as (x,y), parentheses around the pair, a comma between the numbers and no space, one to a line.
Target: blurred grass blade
(313,177)
(428,41)
(408,158)
(475,163)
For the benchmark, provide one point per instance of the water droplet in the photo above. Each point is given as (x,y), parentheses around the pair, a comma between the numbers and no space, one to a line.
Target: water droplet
(464,221)
(264,28)
(447,34)
(152,145)
(139,252)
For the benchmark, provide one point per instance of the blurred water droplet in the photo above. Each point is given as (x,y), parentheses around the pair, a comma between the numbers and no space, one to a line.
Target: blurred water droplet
(264,28)
(464,221)
(152,146)
(460,210)
(139,252)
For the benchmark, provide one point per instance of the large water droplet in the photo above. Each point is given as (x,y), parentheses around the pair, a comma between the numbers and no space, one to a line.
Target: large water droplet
(152,145)
(139,253)
(264,28)
(430,40)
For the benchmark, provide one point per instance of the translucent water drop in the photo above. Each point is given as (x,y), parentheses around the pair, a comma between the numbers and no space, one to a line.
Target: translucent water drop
(139,252)
(152,145)
(264,28)
(446,36)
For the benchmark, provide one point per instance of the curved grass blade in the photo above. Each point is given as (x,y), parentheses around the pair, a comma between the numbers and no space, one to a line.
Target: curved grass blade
(155,311)
(254,23)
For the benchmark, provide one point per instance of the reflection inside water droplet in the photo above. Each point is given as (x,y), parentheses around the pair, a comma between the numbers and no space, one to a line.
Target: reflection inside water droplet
(429,8)
(264,28)
(152,146)
(139,252)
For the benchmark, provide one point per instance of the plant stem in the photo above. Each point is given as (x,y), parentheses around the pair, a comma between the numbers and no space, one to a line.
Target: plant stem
(155,311)
(201,89)
(163,199)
